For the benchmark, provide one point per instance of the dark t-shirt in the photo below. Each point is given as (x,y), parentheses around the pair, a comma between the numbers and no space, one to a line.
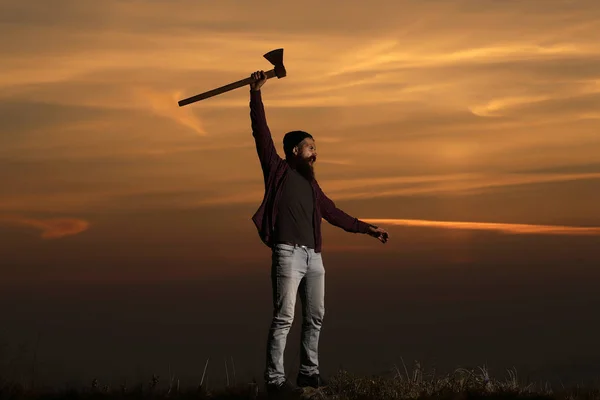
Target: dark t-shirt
(294,222)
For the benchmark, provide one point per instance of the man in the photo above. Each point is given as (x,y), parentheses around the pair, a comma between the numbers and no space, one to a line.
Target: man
(289,222)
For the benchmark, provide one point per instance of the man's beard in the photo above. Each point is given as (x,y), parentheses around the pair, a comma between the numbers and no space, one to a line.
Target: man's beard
(305,169)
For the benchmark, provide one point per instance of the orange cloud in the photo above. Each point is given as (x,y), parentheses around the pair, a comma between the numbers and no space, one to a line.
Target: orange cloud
(387,53)
(455,183)
(52,228)
(490,226)
(165,105)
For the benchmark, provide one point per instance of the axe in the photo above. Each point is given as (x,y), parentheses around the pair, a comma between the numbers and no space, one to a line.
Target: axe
(275,57)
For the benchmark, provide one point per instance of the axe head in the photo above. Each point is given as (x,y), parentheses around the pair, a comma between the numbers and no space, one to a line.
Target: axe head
(275,57)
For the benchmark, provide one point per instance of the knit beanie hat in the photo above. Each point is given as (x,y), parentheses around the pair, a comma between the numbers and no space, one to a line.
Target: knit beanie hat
(292,139)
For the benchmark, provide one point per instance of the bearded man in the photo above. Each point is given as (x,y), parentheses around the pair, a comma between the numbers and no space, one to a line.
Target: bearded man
(289,222)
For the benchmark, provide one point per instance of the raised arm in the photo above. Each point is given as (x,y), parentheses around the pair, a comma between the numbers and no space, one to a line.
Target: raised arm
(265,147)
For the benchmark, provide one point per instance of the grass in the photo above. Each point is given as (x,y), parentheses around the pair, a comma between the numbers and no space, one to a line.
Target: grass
(462,384)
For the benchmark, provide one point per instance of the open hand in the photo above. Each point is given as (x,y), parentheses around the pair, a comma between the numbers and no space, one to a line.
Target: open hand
(259,79)
(378,233)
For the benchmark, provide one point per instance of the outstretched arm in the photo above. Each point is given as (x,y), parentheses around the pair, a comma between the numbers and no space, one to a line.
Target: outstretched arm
(265,147)
(339,218)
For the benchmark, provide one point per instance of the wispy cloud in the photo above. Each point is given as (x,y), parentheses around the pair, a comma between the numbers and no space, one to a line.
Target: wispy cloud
(165,105)
(51,228)
(367,188)
(517,229)
(388,54)
(162,191)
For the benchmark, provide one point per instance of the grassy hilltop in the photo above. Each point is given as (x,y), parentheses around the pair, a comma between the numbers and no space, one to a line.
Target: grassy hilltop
(462,384)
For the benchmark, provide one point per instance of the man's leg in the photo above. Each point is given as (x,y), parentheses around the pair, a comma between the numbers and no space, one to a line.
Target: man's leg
(288,267)
(312,293)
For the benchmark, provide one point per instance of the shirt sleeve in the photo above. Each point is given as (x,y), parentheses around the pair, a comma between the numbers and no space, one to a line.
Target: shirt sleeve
(339,218)
(265,147)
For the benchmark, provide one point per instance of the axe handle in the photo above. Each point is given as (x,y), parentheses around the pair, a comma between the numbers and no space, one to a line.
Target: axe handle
(234,85)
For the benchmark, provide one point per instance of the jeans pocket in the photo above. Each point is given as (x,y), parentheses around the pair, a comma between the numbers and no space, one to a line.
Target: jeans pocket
(284,250)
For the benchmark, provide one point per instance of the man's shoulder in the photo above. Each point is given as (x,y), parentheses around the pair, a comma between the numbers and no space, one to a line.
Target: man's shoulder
(283,164)
(317,187)
(280,168)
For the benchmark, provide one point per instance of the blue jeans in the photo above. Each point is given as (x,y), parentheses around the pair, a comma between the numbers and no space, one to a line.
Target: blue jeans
(293,269)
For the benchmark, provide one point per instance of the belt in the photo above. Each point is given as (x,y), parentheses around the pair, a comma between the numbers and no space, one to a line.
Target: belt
(294,244)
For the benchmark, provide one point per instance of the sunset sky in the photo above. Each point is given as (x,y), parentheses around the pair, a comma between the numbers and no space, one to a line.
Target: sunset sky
(469,129)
